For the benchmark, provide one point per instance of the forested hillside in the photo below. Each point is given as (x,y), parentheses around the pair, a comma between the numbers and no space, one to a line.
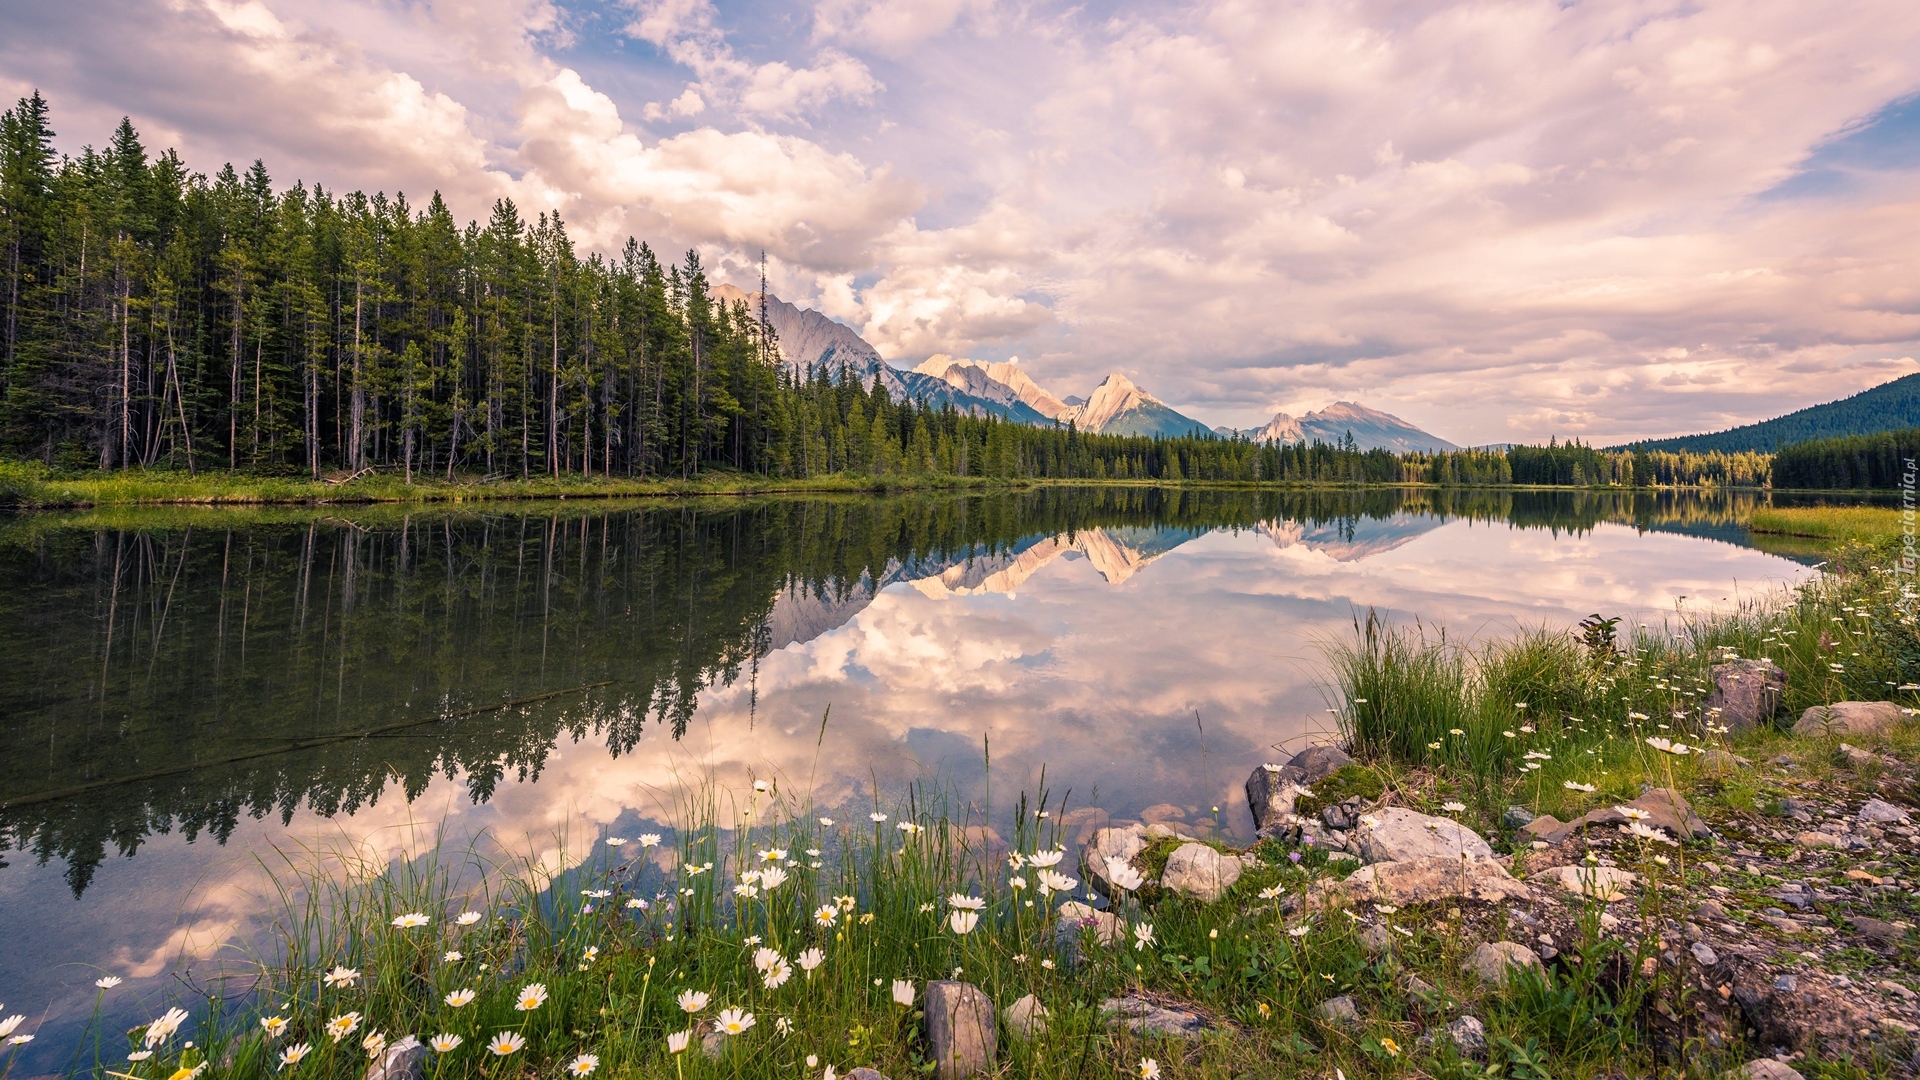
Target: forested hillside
(1857,461)
(1890,406)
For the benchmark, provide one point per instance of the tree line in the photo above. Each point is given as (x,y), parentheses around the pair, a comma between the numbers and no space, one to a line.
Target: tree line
(1884,460)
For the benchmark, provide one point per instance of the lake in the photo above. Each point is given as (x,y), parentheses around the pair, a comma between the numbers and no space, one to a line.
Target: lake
(192,696)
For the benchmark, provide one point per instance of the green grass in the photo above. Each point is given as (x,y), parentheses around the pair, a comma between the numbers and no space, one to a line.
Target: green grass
(31,486)
(1870,524)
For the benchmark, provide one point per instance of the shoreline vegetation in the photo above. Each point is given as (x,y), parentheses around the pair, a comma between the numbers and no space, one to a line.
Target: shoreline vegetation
(30,486)
(761,935)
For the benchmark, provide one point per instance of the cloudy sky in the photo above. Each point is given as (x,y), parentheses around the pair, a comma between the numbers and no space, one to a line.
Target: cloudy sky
(1500,220)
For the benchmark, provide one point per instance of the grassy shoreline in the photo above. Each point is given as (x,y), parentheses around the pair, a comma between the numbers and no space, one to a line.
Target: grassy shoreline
(30,486)
(1867,524)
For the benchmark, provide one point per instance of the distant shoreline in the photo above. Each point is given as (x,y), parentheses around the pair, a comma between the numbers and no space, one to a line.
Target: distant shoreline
(167,488)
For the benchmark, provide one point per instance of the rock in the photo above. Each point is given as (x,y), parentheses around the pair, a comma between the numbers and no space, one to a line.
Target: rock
(1075,918)
(1144,1017)
(1162,812)
(960,1029)
(1338,1010)
(1417,881)
(1879,930)
(1881,812)
(1316,763)
(1724,761)
(1745,692)
(1711,909)
(1026,1019)
(1818,840)
(404,1059)
(864,1073)
(1767,1069)
(1492,961)
(1897,990)
(1539,829)
(1271,792)
(1376,939)
(1469,1036)
(713,1043)
(1123,842)
(1857,758)
(1517,817)
(1665,809)
(1397,834)
(1417,985)
(1599,882)
(1849,718)
(1670,810)
(1703,954)
(1200,872)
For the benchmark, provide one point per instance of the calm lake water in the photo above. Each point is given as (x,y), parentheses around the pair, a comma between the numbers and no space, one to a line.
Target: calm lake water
(188,692)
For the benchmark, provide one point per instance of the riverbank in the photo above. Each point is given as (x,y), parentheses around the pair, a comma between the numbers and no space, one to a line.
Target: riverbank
(842,931)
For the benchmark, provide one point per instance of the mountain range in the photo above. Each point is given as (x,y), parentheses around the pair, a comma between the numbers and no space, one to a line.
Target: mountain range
(809,341)
(1891,406)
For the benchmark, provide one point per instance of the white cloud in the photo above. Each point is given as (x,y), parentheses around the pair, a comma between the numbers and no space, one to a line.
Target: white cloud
(685,31)
(890,25)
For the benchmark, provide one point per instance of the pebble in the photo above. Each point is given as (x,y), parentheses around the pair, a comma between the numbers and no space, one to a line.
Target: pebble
(1704,953)
(1880,812)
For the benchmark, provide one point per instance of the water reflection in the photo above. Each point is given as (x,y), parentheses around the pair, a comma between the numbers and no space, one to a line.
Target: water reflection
(252,678)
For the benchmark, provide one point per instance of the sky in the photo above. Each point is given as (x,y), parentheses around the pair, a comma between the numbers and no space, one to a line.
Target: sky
(1502,221)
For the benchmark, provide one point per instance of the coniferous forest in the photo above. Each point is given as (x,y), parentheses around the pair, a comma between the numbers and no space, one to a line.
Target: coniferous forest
(158,317)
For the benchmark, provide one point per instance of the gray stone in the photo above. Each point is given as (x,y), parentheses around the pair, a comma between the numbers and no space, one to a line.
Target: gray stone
(1492,961)
(1745,693)
(1316,763)
(1200,872)
(1397,834)
(1786,984)
(864,1073)
(1416,881)
(714,1043)
(1881,812)
(1122,842)
(1076,918)
(1597,882)
(1517,817)
(1338,1010)
(1026,1019)
(1144,1017)
(1417,985)
(960,1029)
(1857,758)
(1767,1069)
(1724,761)
(1704,955)
(1469,1036)
(1711,909)
(1271,792)
(1849,718)
(403,1059)
(1376,939)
